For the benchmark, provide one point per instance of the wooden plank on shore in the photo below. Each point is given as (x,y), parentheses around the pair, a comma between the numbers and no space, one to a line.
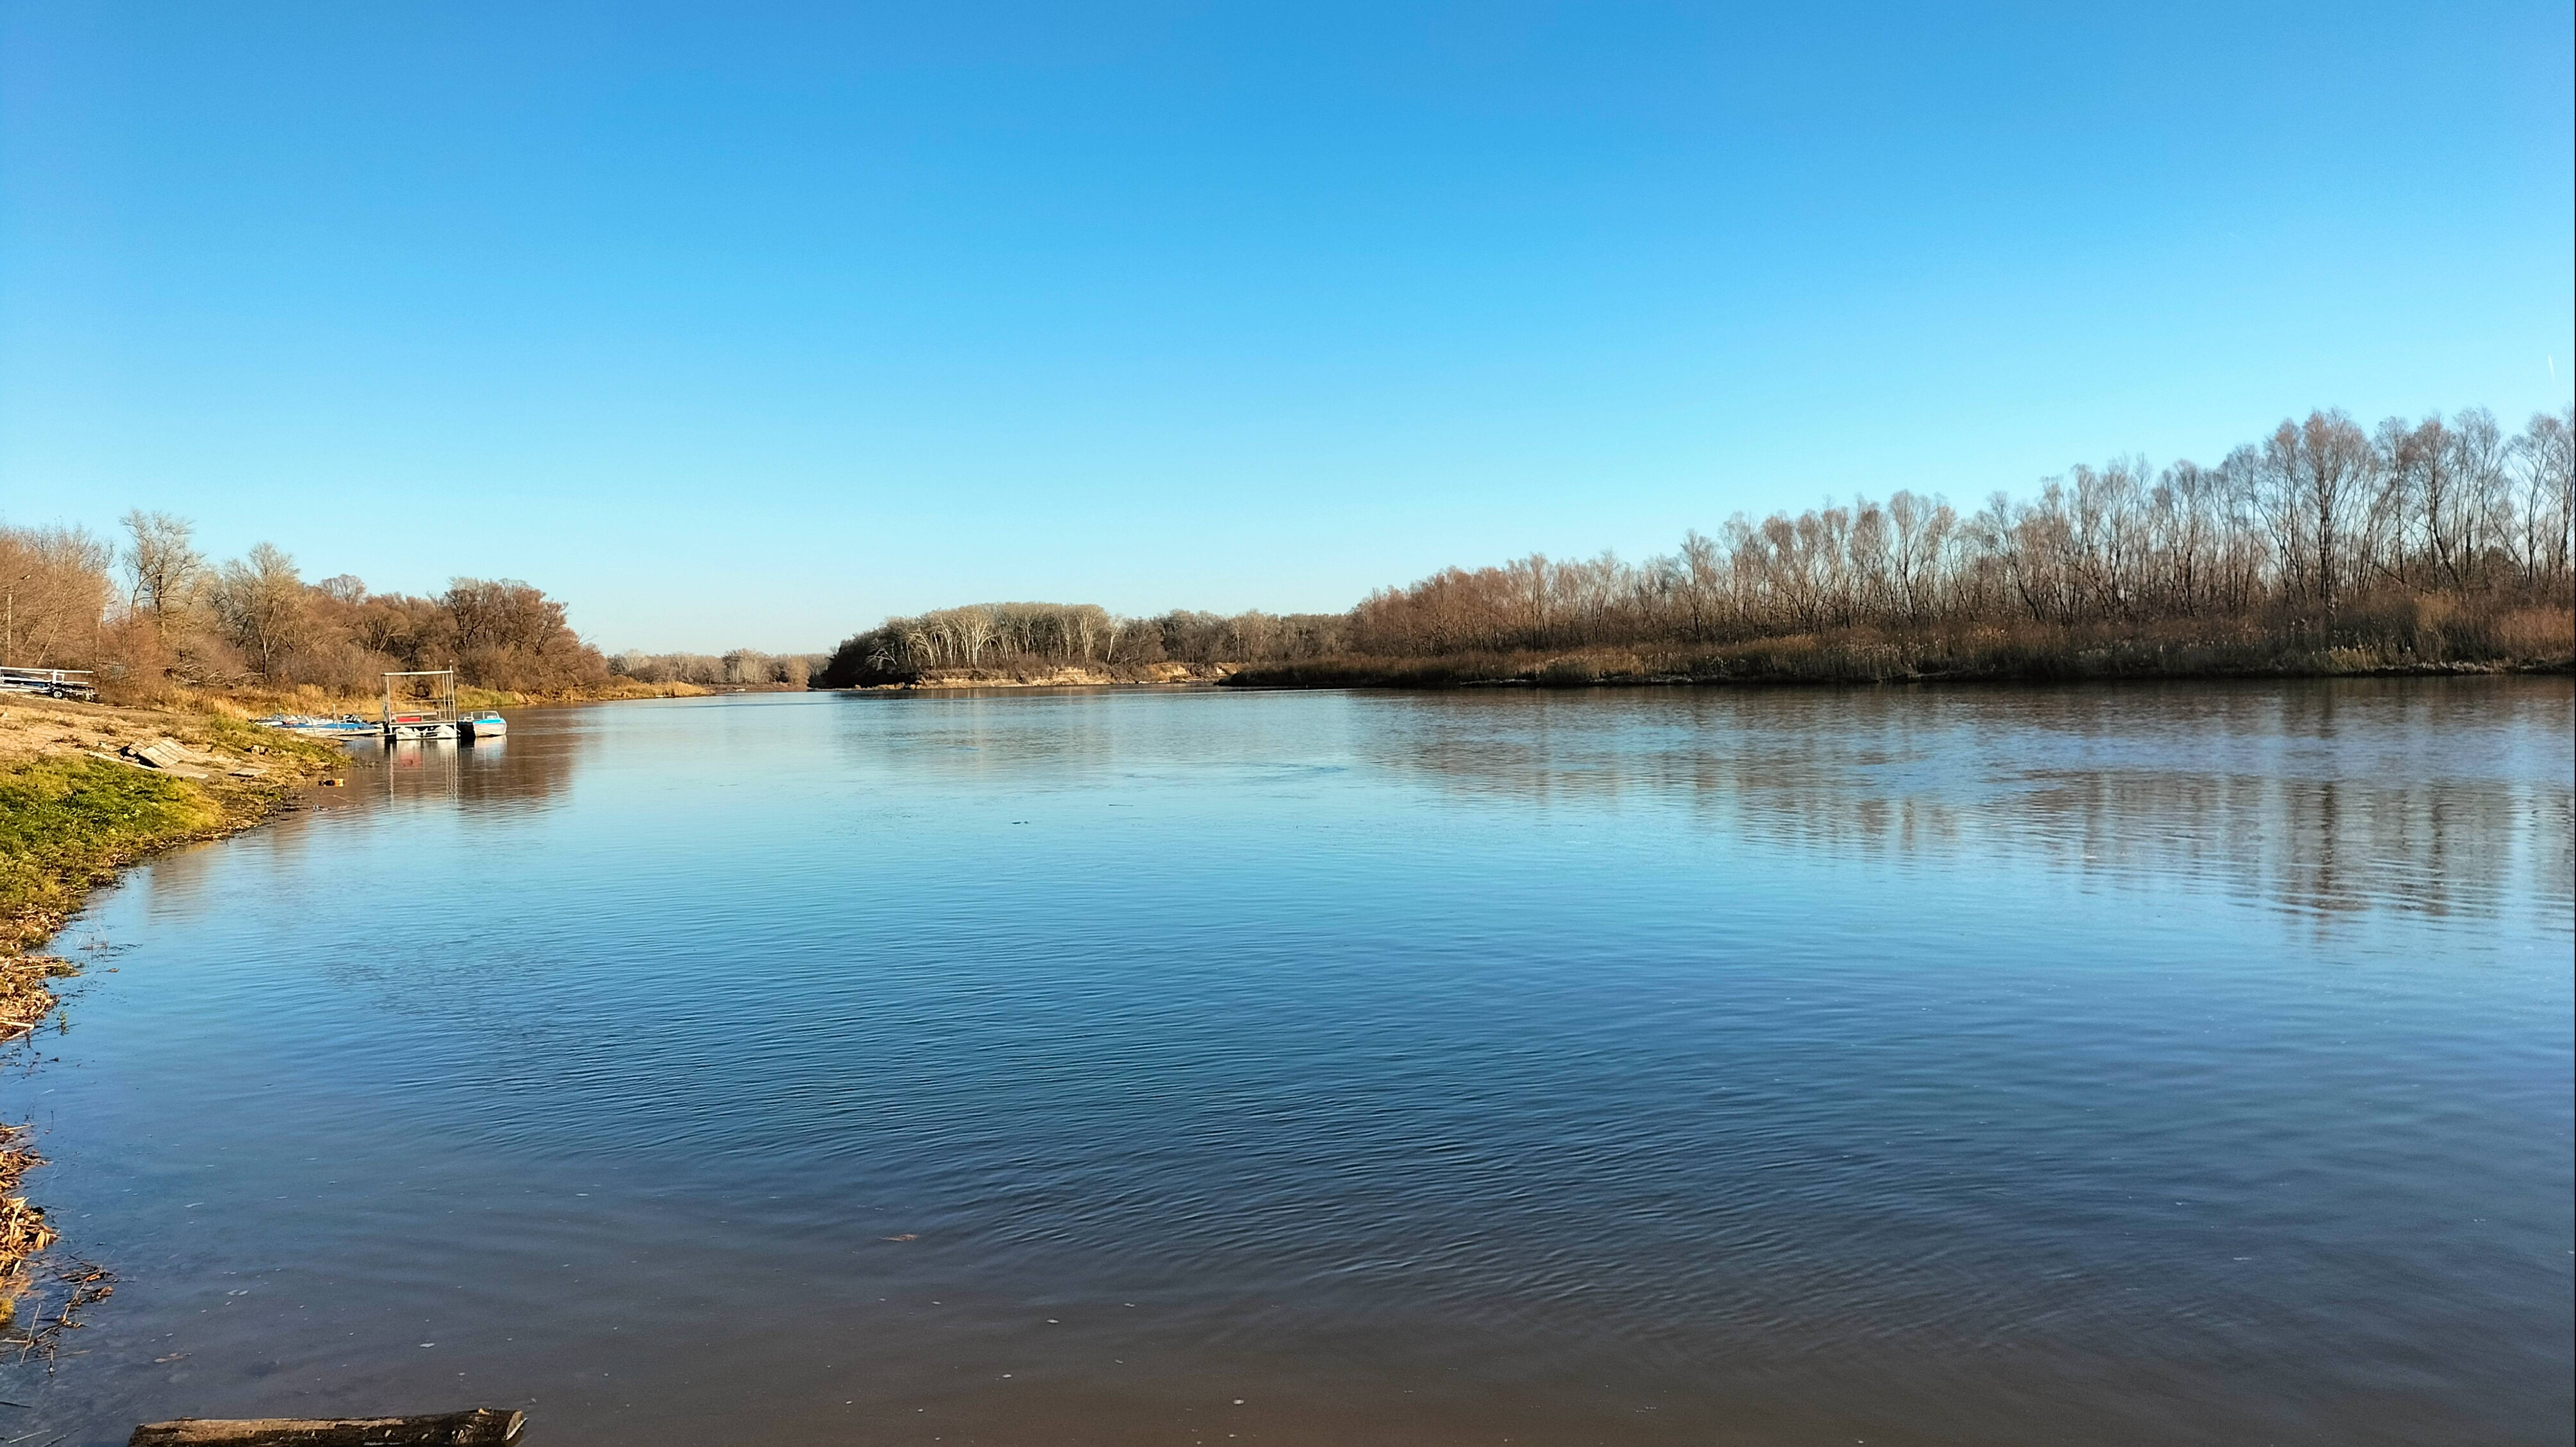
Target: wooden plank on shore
(167,756)
(481,1427)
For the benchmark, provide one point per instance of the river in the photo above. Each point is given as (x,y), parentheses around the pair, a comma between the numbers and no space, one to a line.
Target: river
(2183,1064)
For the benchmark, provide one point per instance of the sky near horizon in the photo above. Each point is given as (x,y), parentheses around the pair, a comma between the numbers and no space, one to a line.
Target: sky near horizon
(746,325)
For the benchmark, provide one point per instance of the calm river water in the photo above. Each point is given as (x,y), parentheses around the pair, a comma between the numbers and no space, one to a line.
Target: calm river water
(2160,1065)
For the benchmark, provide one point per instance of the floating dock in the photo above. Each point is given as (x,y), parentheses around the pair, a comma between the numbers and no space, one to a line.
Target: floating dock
(412,711)
(425,709)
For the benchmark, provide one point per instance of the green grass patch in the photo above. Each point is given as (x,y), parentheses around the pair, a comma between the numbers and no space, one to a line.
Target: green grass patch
(66,824)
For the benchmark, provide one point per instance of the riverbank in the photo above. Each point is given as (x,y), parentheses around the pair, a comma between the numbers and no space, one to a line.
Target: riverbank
(1092,675)
(256,702)
(77,802)
(2530,641)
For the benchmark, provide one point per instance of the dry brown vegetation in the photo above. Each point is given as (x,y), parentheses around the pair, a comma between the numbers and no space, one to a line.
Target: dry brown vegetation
(24,1233)
(154,618)
(25,996)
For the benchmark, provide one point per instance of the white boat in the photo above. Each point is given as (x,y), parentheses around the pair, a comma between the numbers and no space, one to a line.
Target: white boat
(486,726)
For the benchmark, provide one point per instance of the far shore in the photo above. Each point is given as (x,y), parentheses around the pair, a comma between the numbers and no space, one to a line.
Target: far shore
(1049,675)
(1854,666)
(1612,668)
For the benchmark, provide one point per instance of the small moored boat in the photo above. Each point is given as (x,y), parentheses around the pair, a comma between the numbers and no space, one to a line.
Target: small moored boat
(486,726)
(314,726)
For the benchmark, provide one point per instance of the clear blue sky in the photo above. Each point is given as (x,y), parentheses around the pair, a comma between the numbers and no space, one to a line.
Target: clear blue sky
(746,324)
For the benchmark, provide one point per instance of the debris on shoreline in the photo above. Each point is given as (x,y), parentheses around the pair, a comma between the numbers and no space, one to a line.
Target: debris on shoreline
(24,1232)
(25,998)
(25,1001)
(83,1283)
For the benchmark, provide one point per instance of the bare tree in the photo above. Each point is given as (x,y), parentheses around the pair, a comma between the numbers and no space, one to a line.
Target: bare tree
(2316,471)
(259,604)
(53,591)
(2476,520)
(2544,457)
(163,569)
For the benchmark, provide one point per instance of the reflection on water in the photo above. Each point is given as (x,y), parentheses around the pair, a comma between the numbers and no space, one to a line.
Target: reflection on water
(2184,1064)
(479,775)
(2334,796)
(2338,796)
(435,788)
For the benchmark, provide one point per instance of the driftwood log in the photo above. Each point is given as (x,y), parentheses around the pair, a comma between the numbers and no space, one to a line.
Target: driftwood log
(482,1427)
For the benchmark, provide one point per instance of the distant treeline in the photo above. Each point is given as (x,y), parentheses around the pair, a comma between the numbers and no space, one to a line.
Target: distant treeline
(741,668)
(2322,545)
(150,609)
(2316,518)
(1027,638)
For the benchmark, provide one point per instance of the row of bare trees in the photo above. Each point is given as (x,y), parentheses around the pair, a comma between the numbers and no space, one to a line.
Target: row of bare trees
(2317,514)
(151,606)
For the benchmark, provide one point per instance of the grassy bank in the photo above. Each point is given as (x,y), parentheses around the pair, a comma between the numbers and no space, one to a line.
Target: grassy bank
(2531,640)
(74,807)
(67,823)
